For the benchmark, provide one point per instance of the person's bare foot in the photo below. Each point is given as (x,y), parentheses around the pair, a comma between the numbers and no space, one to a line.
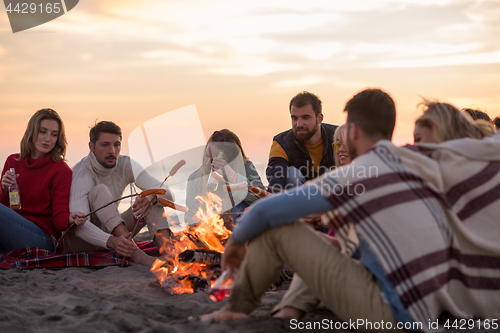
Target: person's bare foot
(165,242)
(141,258)
(289,312)
(223,314)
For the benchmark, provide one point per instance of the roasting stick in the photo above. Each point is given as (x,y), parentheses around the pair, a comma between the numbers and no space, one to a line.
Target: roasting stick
(142,194)
(159,191)
(224,176)
(174,170)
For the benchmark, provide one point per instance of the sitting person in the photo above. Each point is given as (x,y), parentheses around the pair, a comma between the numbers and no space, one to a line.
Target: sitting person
(340,147)
(442,122)
(468,167)
(301,299)
(303,152)
(102,177)
(477,114)
(413,252)
(496,122)
(44,182)
(234,165)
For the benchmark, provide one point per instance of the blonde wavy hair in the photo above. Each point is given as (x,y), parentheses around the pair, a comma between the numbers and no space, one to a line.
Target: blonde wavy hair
(340,135)
(446,122)
(28,141)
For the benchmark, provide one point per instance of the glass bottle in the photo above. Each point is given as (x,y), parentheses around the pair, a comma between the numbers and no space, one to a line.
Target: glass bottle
(14,198)
(223,285)
(213,183)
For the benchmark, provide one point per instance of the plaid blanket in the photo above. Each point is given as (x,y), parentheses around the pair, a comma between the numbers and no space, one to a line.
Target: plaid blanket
(470,172)
(34,257)
(399,202)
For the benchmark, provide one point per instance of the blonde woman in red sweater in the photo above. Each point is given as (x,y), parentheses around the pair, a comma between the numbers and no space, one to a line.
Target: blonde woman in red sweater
(44,181)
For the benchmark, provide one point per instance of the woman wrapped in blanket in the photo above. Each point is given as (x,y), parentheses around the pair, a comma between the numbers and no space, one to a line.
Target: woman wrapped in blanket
(44,182)
(442,122)
(233,166)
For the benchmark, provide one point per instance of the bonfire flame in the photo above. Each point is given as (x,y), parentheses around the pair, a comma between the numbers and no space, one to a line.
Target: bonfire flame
(209,234)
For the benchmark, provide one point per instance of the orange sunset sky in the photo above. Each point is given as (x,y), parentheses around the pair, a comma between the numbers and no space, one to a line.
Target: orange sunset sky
(240,62)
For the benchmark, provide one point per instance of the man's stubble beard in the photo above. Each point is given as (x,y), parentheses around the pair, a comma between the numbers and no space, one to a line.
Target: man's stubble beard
(350,146)
(308,135)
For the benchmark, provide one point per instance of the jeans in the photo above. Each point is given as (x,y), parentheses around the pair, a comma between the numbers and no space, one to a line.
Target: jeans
(17,232)
(238,210)
(294,178)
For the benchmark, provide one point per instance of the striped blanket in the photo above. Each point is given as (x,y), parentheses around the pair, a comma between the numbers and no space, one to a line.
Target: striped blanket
(406,207)
(34,257)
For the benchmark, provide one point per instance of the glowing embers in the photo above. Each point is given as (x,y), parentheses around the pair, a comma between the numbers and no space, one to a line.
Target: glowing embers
(191,260)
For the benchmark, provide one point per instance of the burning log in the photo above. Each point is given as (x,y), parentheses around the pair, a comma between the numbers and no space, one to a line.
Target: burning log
(207,257)
(194,259)
(185,284)
(198,283)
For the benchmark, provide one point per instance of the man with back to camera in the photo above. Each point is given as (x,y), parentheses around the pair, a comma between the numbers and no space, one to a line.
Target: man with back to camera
(101,177)
(417,263)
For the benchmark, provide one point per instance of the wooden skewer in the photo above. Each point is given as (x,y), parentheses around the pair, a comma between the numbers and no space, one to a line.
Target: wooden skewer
(95,210)
(174,170)
(258,191)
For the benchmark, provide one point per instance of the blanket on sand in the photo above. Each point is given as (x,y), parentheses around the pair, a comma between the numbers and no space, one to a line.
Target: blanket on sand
(34,257)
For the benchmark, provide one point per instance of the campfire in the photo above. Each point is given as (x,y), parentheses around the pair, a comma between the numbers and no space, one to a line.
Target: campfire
(193,262)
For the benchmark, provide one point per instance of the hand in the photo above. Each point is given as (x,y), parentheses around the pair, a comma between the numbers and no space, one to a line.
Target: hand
(233,254)
(330,239)
(77,218)
(122,245)
(219,163)
(314,220)
(141,206)
(7,180)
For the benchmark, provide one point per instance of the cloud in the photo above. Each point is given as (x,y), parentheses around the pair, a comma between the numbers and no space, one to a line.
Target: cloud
(309,80)
(461,59)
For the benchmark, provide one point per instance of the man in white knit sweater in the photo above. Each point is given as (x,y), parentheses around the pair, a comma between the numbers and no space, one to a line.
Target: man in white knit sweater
(102,177)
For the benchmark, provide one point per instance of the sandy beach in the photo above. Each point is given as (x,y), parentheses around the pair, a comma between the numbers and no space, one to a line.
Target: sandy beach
(118,299)
(115,299)
(126,299)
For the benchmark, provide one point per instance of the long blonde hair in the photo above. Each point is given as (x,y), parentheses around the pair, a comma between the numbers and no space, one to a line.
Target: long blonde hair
(340,135)
(446,122)
(28,141)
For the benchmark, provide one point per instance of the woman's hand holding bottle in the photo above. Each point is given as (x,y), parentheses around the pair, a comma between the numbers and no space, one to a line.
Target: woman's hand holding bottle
(219,163)
(7,180)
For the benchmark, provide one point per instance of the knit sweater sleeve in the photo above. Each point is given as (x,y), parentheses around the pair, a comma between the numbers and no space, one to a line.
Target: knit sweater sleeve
(90,233)
(253,179)
(59,192)
(4,196)
(145,181)
(81,185)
